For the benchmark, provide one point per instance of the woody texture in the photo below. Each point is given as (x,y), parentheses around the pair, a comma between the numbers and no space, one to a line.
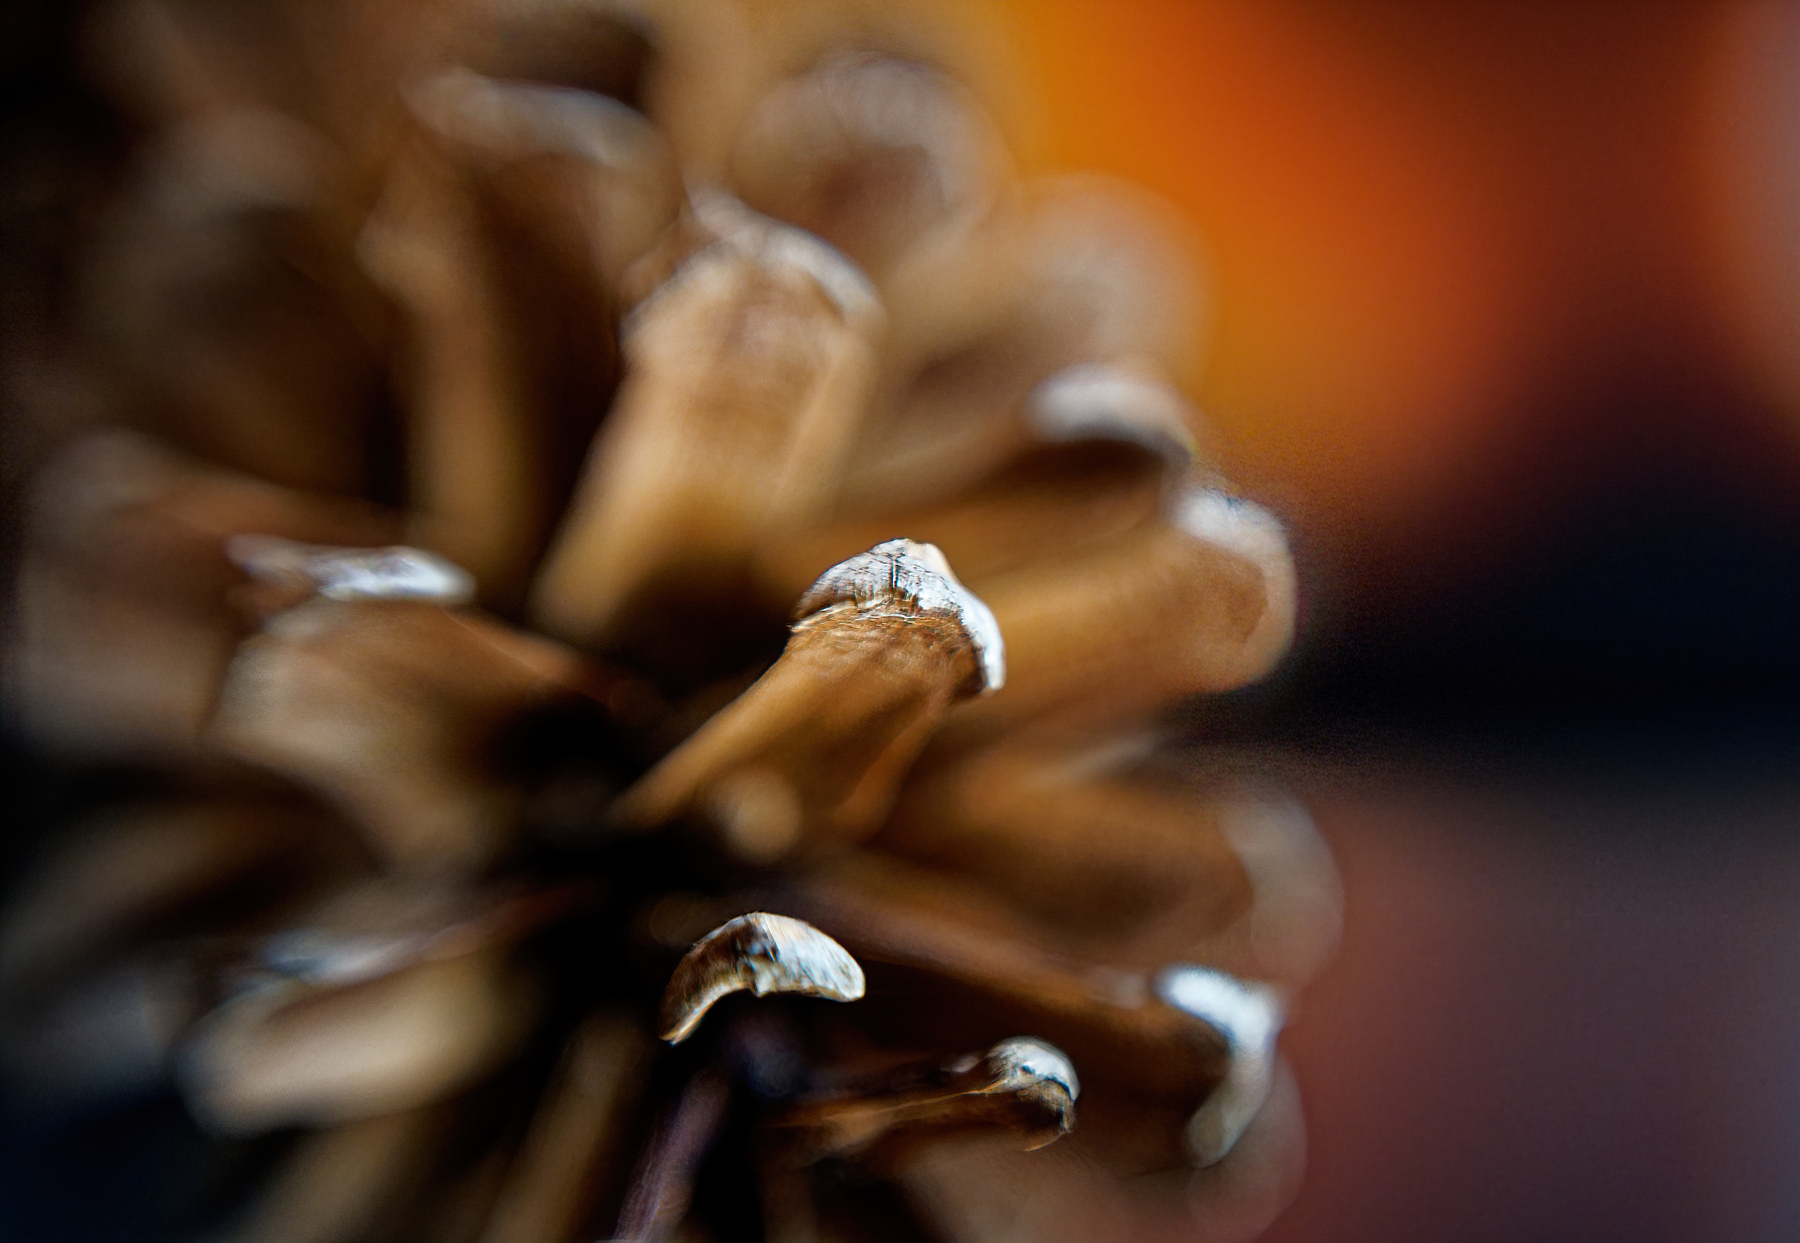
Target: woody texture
(608,577)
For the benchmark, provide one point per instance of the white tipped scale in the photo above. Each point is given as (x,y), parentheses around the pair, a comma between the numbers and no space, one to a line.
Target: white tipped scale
(1065,272)
(286,1053)
(515,119)
(1245,529)
(816,750)
(1196,1046)
(1035,1073)
(392,573)
(1022,1061)
(119,632)
(1098,401)
(1240,880)
(379,706)
(385,996)
(903,578)
(764,954)
(1249,1017)
(1200,601)
(945,927)
(747,373)
(1296,910)
(1233,523)
(614,160)
(781,246)
(1023,1088)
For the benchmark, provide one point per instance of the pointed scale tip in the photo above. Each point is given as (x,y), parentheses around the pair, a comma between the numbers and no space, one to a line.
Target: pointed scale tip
(762,953)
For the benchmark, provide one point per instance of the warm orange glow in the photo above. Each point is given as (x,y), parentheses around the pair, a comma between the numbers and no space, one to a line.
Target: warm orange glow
(1425,223)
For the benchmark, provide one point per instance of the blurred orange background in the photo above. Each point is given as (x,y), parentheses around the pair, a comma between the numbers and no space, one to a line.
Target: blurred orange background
(1465,258)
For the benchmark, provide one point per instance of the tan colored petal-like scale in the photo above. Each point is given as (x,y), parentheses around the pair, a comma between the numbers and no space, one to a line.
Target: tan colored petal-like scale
(1094,857)
(885,643)
(1108,447)
(1196,1041)
(390,708)
(1201,603)
(141,869)
(503,232)
(289,1053)
(746,375)
(1067,273)
(127,603)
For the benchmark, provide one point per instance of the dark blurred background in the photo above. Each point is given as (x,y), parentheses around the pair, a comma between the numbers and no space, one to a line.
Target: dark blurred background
(1506,324)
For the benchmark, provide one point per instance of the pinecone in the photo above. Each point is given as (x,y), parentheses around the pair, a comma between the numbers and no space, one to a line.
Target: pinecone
(503,580)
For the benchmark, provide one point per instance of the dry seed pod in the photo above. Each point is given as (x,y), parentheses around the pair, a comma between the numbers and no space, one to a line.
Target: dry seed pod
(869,152)
(746,373)
(1202,603)
(884,644)
(1030,329)
(1021,1087)
(125,623)
(760,952)
(390,708)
